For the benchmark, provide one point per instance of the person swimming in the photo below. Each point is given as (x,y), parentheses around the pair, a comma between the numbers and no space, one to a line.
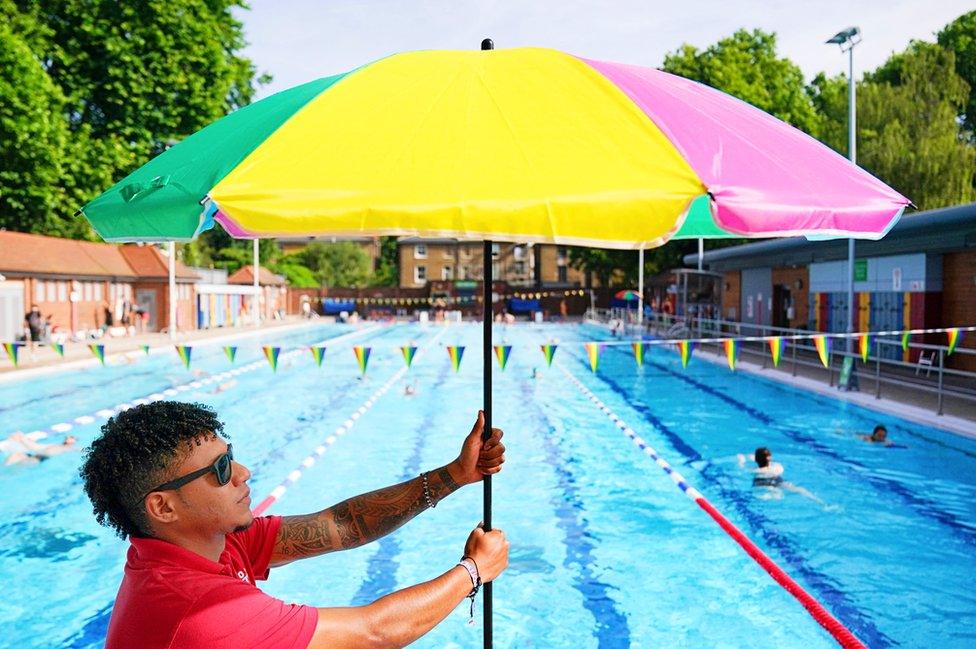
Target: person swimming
(767,473)
(878,436)
(36,453)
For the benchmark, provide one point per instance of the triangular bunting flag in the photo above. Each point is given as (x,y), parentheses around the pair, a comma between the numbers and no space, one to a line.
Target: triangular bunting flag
(12,349)
(548,351)
(904,341)
(362,356)
(318,353)
(640,348)
(99,352)
(408,351)
(731,351)
(864,346)
(822,343)
(455,352)
(271,353)
(502,352)
(58,349)
(231,353)
(185,352)
(776,349)
(593,353)
(145,348)
(955,336)
(685,348)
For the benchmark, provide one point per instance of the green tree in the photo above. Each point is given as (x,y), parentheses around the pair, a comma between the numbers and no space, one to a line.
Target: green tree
(745,65)
(134,77)
(387,271)
(335,264)
(959,37)
(907,125)
(33,132)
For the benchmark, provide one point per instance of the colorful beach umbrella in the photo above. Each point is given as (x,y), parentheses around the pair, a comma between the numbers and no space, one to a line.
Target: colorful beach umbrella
(524,145)
(627,295)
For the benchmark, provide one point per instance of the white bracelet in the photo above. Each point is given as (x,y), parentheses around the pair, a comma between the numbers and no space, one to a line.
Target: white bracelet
(427,497)
(468,564)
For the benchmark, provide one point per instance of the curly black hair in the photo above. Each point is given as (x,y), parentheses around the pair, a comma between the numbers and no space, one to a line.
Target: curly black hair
(133,455)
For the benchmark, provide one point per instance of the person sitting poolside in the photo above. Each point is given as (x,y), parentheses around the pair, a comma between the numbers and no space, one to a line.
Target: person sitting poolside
(163,475)
(34,452)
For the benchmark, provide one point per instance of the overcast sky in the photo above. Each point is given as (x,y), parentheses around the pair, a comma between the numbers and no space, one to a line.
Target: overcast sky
(300,40)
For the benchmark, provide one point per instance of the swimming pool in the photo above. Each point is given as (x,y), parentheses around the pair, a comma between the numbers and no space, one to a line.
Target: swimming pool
(606,551)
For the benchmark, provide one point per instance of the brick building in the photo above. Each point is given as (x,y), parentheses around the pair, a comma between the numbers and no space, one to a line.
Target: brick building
(922,274)
(75,282)
(273,290)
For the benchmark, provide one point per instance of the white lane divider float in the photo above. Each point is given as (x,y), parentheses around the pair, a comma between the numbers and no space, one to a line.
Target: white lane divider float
(319,450)
(195,384)
(835,627)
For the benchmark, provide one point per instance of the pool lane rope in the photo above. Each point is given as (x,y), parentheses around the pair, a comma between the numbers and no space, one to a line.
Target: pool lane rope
(835,627)
(174,391)
(341,430)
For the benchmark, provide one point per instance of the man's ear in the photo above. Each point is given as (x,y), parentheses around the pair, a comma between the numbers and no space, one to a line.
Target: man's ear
(160,508)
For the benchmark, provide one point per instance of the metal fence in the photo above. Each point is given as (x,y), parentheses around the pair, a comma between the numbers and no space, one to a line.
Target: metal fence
(929,375)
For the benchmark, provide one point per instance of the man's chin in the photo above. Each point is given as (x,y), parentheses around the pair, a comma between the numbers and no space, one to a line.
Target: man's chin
(241,528)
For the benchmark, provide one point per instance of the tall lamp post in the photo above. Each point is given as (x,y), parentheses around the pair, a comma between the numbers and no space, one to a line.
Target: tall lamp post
(847,39)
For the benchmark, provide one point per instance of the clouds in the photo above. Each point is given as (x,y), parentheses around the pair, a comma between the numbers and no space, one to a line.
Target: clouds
(299,40)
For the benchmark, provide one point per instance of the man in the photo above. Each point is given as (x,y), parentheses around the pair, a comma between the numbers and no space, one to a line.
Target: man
(878,436)
(33,327)
(767,473)
(162,475)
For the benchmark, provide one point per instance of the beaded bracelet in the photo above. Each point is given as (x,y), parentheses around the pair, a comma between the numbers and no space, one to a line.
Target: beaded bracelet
(427,496)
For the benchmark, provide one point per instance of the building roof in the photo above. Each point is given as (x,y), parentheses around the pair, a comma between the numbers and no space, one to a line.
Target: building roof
(149,263)
(265,277)
(933,231)
(35,254)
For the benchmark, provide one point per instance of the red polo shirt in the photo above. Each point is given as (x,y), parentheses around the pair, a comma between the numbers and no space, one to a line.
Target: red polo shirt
(171,597)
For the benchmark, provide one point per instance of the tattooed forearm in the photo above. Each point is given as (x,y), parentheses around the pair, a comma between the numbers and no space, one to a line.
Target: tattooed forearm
(358,520)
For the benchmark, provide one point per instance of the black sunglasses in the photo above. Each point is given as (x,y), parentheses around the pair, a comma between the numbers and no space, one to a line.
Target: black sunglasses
(222,468)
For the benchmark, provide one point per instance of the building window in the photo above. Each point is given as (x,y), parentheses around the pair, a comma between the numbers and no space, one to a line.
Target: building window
(420,251)
(39,290)
(419,274)
(448,252)
(466,253)
(518,252)
(464,273)
(98,290)
(518,267)
(496,250)
(446,272)
(52,290)
(562,274)
(562,255)
(62,291)
(87,291)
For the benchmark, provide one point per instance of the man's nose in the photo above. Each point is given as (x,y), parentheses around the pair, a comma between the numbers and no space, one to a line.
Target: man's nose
(241,473)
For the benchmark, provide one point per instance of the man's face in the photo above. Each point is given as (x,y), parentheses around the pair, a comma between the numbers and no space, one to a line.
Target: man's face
(204,505)
(880,435)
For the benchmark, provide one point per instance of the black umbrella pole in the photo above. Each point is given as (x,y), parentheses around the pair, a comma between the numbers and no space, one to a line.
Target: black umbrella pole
(486,433)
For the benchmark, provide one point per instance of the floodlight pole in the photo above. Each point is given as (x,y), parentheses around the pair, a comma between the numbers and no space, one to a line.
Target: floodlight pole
(847,39)
(640,289)
(171,262)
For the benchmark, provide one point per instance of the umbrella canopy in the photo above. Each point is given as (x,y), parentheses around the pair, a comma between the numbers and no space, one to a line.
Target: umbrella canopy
(524,144)
(627,295)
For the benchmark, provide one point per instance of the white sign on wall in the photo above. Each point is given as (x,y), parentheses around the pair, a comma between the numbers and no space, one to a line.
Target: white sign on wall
(896,279)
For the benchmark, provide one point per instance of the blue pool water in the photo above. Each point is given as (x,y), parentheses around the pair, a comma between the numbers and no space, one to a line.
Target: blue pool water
(606,551)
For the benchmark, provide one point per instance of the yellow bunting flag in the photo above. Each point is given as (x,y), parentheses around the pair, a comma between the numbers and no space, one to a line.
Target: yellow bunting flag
(776,349)
(685,348)
(954,336)
(408,351)
(362,356)
(318,353)
(864,346)
(548,351)
(502,352)
(12,349)
(455,352)
(593,353)
(640,348)
(271,353)
(822,343)
(184,353)
(731,351)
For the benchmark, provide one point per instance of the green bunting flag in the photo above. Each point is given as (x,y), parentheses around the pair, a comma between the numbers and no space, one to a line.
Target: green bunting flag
(12,349)
(318,353)
(640,349)
(731,352)
(58,349)
(822,343)
(362,357)
(776,349)
(684,349)
(954,336)
(502,352)
(231,353)
(184,352)
(408,351)
(99,352)
(593,354)
(145,348)
(548,351)
(904,341)
(271,353)
(455,352)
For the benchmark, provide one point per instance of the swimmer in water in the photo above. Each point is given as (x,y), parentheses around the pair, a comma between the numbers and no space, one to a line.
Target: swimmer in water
(227,385)
(878,436)
(769,474)
(36,453)
(535,373)
(410,389)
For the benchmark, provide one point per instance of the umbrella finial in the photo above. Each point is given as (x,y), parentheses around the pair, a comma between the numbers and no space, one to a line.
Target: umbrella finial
(487,44)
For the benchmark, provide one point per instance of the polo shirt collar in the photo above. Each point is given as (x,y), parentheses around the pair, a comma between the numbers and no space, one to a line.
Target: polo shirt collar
(144,551)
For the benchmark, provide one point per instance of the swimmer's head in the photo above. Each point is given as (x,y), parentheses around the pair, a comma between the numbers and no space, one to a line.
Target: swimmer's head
(69,440)
(879,434)
(763,456)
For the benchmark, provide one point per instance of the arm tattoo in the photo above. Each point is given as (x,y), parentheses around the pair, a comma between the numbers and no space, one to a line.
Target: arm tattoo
(359,519)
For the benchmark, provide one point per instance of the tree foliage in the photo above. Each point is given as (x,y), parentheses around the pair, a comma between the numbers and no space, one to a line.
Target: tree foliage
(334,264)
(127,78)
(746,65)
(959,37)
